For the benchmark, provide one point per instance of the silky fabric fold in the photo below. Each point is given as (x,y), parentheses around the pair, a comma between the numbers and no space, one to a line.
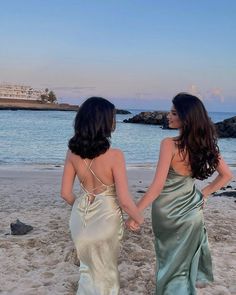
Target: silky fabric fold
(181,243)
(96,230)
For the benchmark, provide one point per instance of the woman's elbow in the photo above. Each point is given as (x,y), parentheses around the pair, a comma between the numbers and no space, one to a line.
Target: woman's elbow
(64,195)
(230,176)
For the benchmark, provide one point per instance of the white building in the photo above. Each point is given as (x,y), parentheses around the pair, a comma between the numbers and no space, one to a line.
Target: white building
(9,91)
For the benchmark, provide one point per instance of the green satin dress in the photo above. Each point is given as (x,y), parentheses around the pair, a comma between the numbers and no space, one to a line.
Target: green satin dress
(96,230)
(181,243)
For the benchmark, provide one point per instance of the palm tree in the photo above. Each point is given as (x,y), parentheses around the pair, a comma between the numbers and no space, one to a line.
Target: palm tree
(52,97)
(48,96)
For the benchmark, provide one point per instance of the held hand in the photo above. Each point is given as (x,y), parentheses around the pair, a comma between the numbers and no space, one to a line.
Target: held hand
(132,225)
(204,201)
(204,198)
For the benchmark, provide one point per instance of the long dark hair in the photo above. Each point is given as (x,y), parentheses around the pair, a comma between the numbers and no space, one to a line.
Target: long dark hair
(92,128)
(197,135)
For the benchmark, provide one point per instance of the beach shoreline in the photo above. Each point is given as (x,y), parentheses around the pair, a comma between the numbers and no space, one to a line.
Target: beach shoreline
(44,261)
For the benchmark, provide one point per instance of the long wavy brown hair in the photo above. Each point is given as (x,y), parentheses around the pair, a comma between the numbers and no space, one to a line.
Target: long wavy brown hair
(197,137)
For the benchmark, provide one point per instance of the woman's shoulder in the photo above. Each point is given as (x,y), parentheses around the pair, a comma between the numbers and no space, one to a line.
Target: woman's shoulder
(72,157)
(69,154)
(114,156)
(170,141)
(115,152)
(168,145)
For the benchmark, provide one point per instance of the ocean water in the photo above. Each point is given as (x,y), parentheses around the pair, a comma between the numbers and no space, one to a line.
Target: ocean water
(41,137)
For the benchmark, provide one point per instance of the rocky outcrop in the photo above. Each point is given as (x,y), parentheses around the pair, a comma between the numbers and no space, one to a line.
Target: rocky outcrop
(122,112)
(152,118)
(227,128)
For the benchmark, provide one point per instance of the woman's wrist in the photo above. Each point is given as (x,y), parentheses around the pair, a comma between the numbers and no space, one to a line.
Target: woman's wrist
(205,197)
(204,194)
(141,220)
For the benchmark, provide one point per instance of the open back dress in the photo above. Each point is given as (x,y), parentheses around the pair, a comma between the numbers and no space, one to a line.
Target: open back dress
(181,243)
(97,228)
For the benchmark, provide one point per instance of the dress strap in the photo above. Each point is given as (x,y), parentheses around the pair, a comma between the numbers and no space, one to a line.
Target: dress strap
(89,194)
(89,168)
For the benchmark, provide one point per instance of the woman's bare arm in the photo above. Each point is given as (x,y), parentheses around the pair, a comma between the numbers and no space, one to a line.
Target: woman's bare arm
(68,179)
(120,178)
(223,177)
(165,157)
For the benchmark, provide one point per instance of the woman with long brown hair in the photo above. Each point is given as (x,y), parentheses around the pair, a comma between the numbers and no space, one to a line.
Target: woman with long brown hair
(181,244)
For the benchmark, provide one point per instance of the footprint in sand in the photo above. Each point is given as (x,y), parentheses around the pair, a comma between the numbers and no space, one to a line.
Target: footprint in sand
(47,275)
(52,262)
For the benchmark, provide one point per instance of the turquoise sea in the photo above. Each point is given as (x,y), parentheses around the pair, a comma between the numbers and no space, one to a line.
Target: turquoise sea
(40,137)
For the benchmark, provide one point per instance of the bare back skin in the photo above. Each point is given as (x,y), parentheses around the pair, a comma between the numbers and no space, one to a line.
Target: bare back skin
(179,162)
(94,174)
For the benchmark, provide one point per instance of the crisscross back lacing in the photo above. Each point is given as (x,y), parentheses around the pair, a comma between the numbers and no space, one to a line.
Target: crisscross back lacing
(91,193)
(90,196)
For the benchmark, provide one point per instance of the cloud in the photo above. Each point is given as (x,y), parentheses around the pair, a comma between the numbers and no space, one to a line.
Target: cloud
(216,94)
(194,90)
(212,95)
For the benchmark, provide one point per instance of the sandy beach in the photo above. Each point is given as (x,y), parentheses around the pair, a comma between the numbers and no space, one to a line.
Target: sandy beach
(44,262)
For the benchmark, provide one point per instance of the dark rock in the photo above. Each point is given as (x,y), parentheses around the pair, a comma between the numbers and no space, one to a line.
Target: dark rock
(227,128)
(152,118)
(165,124)
(20,228)
(228,186)
(122,112)
(226,194)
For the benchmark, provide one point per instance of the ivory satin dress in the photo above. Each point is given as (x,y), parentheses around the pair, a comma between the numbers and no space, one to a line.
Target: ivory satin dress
(181,243)
(97,229)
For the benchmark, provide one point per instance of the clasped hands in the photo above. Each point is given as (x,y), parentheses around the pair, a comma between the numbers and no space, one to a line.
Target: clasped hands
(132,225)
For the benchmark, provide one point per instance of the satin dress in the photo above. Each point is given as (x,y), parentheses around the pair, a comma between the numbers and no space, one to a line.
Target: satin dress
(181,242)
(97,229)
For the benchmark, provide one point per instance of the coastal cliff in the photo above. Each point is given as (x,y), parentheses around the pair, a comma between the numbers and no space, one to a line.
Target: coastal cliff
(17,104)
(37,105)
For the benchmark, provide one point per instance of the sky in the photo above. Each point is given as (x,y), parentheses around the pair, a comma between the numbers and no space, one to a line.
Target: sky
(136,53)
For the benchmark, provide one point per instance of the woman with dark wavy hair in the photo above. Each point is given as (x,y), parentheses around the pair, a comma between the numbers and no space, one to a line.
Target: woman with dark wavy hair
(96,221)
(181,244)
